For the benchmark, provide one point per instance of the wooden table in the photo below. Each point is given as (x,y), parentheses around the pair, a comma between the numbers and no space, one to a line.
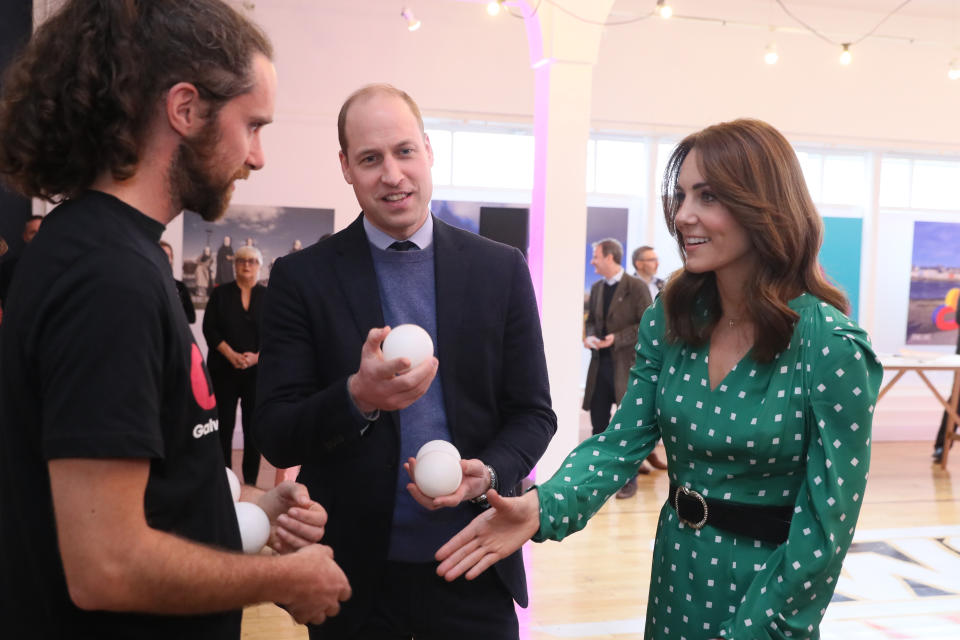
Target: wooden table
(951,363)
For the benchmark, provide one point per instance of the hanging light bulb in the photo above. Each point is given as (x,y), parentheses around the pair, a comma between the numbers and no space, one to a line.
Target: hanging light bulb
(771,56)
(493,7)
(845,56)
(412,23)
(954,72)
(664,9)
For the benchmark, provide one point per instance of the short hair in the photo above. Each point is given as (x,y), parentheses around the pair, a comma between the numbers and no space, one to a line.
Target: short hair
(366,92)
(610,247)
(247,251)
(80,97)
(639,252)
(754,172)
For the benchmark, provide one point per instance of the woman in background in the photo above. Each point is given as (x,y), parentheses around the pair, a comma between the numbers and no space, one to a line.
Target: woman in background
(182,291)
(231,326)
(763,392)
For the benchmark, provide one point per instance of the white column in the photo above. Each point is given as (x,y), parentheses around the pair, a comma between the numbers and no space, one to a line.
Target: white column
(563,51)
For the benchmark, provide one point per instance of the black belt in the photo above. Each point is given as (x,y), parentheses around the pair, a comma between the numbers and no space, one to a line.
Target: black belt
(767,523)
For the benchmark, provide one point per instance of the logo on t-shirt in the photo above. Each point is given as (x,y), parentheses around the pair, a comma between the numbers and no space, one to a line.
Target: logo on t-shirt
(198,380)
(203,429)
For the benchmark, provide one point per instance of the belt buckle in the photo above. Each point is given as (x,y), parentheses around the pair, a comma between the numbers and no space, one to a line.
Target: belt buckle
(694,494)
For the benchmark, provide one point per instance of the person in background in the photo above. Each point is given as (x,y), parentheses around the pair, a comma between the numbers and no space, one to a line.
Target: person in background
(231,326)
(617,302)
(182,291)
(9,266)
(940,442)
(645,263)
(763,390)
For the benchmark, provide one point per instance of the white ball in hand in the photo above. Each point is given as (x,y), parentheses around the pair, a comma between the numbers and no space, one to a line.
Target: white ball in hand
(438,471)
(234,483)
(408,341)
(254,526)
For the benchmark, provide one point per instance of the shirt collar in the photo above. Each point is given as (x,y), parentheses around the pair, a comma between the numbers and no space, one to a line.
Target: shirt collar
(422,237)
(614,279)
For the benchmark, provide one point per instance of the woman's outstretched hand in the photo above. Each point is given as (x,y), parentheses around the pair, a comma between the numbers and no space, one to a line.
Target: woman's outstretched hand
(492,536)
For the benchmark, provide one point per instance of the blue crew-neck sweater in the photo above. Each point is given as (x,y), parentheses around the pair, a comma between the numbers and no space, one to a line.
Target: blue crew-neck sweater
(408,295)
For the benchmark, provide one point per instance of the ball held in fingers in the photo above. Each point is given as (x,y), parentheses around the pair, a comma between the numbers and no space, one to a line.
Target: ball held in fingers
(408,341)
(438,471)
(254,526)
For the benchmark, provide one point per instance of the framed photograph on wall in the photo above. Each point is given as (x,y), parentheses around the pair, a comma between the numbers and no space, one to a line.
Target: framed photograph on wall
(934,284)
(208,247)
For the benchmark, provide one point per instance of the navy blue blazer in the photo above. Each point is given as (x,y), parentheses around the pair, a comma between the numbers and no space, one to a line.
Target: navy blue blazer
(320,305)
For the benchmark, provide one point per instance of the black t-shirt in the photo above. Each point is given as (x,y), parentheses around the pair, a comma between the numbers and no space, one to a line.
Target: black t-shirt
(97,361)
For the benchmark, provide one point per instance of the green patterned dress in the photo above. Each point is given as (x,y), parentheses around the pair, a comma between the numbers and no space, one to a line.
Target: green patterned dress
(795,431)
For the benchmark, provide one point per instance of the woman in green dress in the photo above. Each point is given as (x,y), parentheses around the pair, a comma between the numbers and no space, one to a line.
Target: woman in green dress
(762,390)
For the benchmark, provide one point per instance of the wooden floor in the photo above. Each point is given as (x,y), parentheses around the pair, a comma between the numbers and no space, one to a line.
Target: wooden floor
(594,585)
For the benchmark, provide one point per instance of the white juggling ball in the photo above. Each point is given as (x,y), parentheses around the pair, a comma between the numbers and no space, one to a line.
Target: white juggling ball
(438,471)
(438,445)
(408,341)
(254,526)
(234,483)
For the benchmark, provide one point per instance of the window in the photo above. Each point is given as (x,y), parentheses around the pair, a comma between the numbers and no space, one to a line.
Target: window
(934,184)
(621,167)
(441,141)
(493,160)
(896,176)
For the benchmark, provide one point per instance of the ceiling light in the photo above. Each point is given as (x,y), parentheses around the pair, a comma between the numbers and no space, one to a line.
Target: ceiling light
(846,57)
(493,7)
(412,23)
(664,9)
(954,72)
(771,56)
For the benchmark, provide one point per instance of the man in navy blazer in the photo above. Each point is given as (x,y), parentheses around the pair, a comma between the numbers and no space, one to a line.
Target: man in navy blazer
(329,401)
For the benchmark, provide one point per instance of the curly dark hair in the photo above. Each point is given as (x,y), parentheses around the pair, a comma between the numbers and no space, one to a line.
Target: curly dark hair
(78,99)
(754,172)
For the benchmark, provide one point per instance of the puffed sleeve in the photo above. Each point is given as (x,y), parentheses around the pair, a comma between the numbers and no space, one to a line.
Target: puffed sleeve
(789,595)
(597,468)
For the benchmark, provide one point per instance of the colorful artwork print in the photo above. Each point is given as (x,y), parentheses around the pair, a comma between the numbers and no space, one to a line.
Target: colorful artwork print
(945,316)
(934,284)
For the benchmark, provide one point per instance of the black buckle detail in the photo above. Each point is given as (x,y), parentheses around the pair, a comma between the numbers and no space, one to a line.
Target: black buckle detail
(691,507)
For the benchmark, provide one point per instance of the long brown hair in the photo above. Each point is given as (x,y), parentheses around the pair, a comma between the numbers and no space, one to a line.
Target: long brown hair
(754,172)
(78,99)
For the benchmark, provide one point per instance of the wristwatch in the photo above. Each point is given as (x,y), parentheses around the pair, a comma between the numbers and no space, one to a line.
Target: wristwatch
(482,498)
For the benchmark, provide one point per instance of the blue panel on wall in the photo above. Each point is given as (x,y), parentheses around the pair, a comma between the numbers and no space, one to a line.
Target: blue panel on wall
(840,256)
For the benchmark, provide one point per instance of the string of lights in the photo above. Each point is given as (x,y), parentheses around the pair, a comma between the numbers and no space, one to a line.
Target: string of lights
(664,10)
(833,42)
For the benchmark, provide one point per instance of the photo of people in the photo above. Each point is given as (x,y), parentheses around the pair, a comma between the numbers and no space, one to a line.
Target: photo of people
(209,247)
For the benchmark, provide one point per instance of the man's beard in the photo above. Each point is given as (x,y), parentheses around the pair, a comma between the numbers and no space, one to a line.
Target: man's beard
(193,175)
